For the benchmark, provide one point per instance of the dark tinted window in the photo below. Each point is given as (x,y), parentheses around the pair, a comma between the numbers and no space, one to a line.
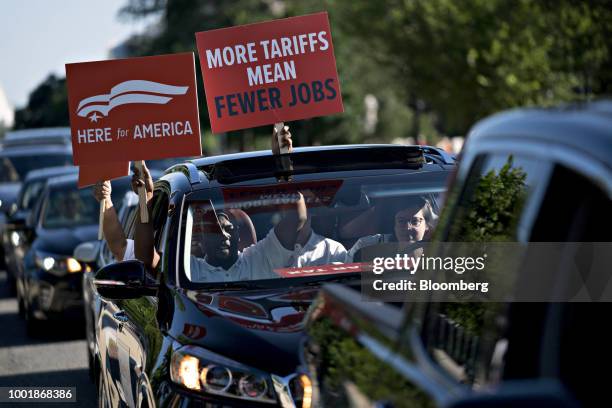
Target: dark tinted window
(576,209)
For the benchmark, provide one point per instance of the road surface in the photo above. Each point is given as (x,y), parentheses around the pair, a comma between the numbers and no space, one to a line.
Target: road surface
(56,359)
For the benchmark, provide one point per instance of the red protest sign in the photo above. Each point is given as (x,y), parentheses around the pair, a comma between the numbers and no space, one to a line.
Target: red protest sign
(133,109)
(273,197)
(323,270)
(270,72)
(92,173)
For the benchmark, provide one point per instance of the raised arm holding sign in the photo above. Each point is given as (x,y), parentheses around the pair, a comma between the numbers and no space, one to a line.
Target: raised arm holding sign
(113,233)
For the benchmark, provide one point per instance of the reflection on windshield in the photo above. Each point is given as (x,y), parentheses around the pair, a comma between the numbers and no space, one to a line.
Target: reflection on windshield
(303,229)
(15,168)
(72,208)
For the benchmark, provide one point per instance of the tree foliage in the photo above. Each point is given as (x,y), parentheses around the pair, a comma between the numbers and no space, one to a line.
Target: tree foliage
(47,105)
(434,66)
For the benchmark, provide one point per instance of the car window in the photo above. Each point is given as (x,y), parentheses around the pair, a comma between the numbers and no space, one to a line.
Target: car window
(470,341)
(129,222)
(67,208)
(31,192)
(344,216)
(15,168)
(587,222)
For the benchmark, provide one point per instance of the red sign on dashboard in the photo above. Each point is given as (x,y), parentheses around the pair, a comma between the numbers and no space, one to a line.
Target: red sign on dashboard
(324,270)
(264,73)
(133,109)
(319,193)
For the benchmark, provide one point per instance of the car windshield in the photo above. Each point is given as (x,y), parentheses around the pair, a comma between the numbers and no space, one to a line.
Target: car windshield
(15,168)
(70,207)
(249,233)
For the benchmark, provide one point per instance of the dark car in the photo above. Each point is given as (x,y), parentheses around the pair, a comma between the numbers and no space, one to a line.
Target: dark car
(23,151)
(526,176)
(182,336)
(14,239)
(65,216)
(96,255)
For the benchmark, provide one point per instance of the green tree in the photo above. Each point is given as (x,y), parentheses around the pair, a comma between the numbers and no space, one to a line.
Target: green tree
(465,60)
(47,105)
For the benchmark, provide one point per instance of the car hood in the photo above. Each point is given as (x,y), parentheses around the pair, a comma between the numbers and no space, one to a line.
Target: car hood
(62,241)
(260,328)
(9,193)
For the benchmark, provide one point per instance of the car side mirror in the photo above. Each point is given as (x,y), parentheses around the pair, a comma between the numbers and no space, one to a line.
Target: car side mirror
(87,252)
(125,280)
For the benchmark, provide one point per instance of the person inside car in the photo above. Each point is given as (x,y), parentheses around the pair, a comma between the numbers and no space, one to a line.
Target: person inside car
(68,208)
(411,224)
(291,243)
(121,247)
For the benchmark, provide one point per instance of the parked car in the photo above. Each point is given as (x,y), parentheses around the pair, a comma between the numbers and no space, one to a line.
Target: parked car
(178,337)
(25,150)
(14,240)
(50,286)
(528,175)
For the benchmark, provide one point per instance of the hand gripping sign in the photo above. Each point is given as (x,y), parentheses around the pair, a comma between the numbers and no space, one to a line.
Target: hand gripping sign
(133,109)
(270,72)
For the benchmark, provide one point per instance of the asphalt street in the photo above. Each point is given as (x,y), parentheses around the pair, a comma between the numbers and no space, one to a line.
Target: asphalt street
(56,358)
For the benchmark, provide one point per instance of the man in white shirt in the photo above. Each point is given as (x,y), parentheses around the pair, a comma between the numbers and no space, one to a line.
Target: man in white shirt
(291,243)
(223,262)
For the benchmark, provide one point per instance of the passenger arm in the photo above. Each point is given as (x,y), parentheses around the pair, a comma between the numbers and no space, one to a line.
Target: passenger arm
(113,232)
(294,222)
(144,240)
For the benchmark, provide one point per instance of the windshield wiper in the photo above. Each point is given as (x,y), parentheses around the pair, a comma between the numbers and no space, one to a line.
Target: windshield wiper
(227,286)
(331,278)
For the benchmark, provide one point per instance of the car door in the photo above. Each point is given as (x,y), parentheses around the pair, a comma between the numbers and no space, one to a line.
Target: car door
(109,319)
(94,303)
(138,334)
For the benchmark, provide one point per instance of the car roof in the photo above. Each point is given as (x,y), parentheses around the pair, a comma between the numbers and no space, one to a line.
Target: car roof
(206,161)
(250,166)
(50,135)
(49,172)
(35,149)
(63,180)
(583,127)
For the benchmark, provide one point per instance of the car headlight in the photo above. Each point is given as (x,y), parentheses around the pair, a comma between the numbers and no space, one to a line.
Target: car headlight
(56,264)
(15,238)
(207,372)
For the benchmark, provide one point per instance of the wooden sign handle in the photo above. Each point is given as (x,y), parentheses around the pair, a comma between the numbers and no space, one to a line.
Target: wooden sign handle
(142,195)
(278,127)
(101,219)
